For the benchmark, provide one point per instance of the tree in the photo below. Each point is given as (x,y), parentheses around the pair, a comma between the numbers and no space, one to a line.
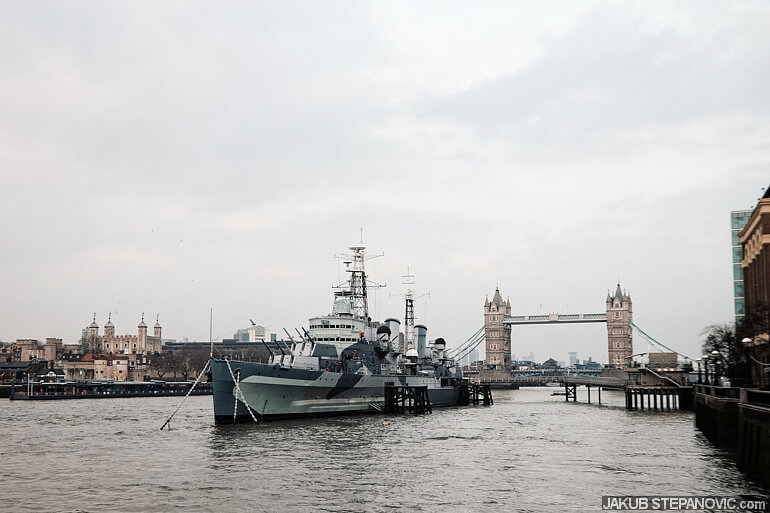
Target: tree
(730,357)
(162,363)
(756,321)
(190,363)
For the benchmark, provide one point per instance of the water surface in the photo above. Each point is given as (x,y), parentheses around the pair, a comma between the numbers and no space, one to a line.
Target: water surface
(531,451)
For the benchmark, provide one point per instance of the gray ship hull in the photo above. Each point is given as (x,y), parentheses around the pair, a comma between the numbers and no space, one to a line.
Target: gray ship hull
(274,392)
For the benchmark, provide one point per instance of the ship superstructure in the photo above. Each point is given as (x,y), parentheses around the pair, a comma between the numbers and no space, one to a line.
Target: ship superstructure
(342,364)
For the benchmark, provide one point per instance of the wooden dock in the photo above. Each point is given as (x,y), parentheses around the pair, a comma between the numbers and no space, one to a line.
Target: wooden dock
(475,393)
(674,397)
(406,399)
(668,396)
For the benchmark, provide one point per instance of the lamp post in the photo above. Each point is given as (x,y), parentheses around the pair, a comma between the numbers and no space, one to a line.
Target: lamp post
(700,376)
(747,343)
(715,355)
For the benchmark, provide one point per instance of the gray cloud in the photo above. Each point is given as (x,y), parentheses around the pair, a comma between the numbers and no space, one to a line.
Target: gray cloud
(179,156)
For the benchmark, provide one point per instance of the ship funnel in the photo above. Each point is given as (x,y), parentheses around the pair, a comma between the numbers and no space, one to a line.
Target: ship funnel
(422,333)
(395,328)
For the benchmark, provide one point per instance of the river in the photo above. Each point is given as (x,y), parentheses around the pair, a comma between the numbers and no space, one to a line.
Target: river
(530,451)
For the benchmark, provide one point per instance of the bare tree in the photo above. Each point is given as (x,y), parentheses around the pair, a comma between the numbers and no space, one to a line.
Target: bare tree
(162,363)
(722,344)
(190,363)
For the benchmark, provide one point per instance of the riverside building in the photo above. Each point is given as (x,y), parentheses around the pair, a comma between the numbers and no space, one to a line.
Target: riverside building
(115,357)
(755,263)
(738,220)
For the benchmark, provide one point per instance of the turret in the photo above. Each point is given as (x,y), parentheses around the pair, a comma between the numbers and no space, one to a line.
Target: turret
(93,329)
(157,328)
(383,336)
(142,335)
(109,328)
(439,345)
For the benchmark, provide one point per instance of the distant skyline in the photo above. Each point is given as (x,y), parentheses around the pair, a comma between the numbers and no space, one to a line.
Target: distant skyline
(176,157)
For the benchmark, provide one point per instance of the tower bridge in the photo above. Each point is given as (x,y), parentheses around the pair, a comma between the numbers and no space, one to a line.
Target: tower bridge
(554,317)
(498,323)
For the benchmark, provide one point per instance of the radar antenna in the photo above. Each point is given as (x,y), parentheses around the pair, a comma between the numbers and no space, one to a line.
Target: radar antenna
(354,289)
(409,310)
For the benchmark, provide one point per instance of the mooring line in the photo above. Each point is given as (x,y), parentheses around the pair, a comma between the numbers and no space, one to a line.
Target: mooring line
(237,388)
(205,367)
(238,394)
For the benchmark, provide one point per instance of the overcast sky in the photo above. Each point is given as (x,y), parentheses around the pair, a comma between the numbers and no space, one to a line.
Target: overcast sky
(175,157)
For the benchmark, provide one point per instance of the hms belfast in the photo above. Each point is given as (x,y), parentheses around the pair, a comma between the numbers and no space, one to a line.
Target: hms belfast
(342,364)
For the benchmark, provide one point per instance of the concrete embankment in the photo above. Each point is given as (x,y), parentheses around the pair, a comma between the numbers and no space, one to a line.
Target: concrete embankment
(738,421)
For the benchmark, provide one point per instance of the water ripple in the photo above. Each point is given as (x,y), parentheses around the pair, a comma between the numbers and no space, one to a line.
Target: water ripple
(529,452)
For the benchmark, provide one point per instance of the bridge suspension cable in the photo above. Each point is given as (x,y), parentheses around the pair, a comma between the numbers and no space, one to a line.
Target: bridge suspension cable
(468,351)
(464,345)
(479,337)
(655,342)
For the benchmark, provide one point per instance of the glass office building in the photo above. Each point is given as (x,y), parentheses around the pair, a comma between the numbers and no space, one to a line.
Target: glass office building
(738,220)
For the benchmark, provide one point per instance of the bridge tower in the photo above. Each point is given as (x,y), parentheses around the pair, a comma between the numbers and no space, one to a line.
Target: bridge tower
(619,336)
(498,344)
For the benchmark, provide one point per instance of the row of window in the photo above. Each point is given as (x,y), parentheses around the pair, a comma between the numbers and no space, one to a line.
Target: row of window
(335,339)
(339,326)
(739,219)
(117,346)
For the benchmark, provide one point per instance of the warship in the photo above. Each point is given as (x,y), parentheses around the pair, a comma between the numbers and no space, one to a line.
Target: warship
(342,364)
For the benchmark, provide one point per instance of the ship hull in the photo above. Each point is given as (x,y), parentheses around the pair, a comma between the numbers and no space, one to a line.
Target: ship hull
(273,392)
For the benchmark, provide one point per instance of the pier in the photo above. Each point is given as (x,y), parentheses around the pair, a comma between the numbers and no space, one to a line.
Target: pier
(675,397)
(668,396)
(475,393)
(406,399)
(104,389)
(572,382)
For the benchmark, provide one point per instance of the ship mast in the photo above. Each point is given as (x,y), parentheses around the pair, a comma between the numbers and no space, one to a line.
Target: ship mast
(359,297)
(409,313)
(357,284)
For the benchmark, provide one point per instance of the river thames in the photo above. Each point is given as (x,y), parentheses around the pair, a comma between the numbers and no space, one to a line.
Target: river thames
(531,451)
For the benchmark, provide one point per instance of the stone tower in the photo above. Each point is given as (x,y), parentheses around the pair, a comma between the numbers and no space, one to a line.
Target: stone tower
(93,329)
(498,334)
(142,336)
(109,328)
(619,337)
(91,342)
(157,327)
